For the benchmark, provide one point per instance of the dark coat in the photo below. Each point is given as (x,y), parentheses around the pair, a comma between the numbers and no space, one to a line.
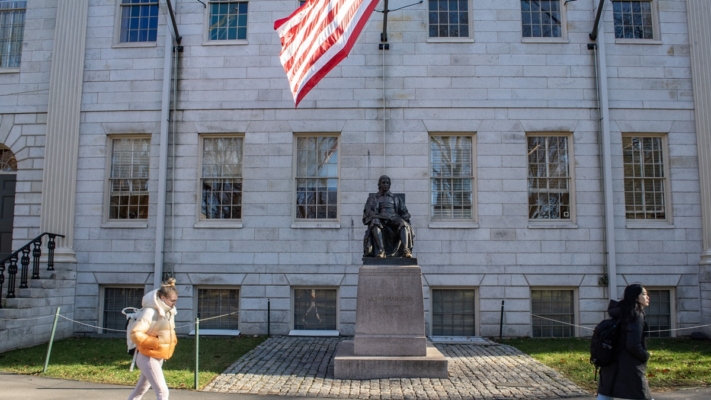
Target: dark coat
(627,377)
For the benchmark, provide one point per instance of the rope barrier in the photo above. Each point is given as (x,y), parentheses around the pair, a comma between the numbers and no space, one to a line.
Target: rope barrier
(92,326)
(591,329)
(235,312)
(219,316)
(123,330)
(561,322)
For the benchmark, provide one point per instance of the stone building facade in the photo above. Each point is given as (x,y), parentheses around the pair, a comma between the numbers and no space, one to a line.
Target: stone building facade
(527,180)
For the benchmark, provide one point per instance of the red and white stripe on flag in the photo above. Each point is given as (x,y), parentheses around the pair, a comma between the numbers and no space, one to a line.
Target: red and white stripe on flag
(318,36)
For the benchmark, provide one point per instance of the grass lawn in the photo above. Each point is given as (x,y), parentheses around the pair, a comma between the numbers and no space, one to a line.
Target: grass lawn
(674,363)
(106,360)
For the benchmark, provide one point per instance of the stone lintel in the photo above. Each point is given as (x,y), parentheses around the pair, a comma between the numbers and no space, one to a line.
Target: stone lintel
(349,366)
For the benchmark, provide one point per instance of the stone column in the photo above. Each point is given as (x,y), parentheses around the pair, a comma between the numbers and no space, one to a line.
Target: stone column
(59,179)
(699,15)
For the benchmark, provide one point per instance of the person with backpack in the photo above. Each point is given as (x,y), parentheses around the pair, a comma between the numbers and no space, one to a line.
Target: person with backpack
(626,377)
(155,339)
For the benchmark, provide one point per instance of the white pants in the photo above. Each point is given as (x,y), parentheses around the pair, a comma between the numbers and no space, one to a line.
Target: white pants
(151,375)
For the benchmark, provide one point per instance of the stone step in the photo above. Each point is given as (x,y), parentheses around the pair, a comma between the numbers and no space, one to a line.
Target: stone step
(30,292)
(22,303)
(62,266)
(42,283)
(50,283)
(14,316)
(59,274)
(39,292)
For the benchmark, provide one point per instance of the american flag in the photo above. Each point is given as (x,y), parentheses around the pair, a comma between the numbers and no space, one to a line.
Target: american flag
(316,37)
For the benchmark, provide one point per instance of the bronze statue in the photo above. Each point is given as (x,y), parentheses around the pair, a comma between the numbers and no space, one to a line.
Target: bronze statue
(389,232)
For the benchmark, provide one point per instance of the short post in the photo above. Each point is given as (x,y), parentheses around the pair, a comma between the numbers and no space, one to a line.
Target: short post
(197,352)
(269,317)
(501,321)
(51,339)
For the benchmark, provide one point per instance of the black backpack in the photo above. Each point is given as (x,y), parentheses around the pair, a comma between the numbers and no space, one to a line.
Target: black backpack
(603,346)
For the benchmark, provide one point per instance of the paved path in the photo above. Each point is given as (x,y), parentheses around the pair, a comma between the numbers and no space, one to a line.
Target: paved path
(289,366)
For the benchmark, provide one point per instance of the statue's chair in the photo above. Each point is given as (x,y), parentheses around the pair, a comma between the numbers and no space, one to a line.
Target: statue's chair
(391,238)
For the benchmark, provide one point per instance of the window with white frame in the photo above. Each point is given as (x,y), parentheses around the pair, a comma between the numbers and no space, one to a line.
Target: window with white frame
(453,312)
(541,19)
(452,177)
(633,19)
(115,300)
(221,178)
(228,20)
(645,177)
(448,18)
(128,180)
(549,178)
(315,309)
(658,315)
(552,313)
(12,26)
(316,177)
(139,21)
(218,308)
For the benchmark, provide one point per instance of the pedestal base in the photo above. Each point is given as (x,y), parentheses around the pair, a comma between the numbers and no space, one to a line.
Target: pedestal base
(349,366)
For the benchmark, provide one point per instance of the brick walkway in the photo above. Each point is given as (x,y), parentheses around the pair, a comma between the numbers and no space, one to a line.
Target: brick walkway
(290,366)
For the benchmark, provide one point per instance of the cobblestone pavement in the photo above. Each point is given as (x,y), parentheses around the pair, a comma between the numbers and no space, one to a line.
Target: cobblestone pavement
(292,366)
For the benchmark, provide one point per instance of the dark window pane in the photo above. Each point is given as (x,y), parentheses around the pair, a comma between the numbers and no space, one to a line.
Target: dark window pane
(315,309)
(115,300)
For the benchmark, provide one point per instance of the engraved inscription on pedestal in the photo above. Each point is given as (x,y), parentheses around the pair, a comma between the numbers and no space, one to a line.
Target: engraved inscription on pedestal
(390,319)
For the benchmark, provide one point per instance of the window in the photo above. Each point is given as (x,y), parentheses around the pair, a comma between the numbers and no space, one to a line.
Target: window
(128,182)
(633,19)
(453,312)
(552,311)
(216,302)
(221,178)
(315,309)
(541,19)
(115,300)
(302,2)
(658,314)
(549,178)
(645,177)
(139,21)
(8,162)
(228,20)
(12,26)
(448,18)
(452,178)
(317,177)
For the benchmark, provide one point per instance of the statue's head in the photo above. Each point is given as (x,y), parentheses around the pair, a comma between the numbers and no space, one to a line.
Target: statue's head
(384,183)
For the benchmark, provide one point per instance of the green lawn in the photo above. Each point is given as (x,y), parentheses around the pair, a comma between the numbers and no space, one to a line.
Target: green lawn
(106,360)
(674,363)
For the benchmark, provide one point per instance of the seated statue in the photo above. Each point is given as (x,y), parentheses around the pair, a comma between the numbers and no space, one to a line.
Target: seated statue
(389,232)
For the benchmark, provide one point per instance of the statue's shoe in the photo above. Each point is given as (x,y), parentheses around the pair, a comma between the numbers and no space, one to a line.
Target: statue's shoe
(407,254)
(380,255)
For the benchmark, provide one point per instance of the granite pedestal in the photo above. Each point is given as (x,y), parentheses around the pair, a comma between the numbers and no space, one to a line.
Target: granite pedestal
(390,339)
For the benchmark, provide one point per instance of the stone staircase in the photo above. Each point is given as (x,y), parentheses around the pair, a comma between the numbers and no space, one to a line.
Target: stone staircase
(27,319)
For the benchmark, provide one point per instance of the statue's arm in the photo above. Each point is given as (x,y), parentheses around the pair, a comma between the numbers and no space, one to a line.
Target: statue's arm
(402,210)
(370,212)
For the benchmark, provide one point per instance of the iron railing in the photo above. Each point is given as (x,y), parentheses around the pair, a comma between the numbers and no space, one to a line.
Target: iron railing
(23,255)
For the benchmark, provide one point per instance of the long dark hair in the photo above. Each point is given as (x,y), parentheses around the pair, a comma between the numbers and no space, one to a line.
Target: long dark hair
(631,309)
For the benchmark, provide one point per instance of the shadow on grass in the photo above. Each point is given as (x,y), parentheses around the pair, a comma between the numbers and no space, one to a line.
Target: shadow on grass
(106,360)
(673,364)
